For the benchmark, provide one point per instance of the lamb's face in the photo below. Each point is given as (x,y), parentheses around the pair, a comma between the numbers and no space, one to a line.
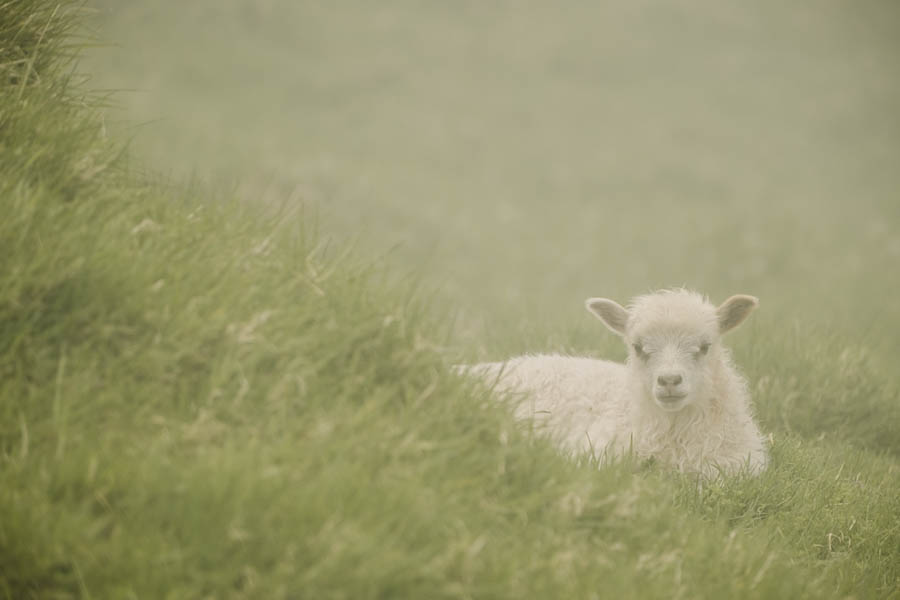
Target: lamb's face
(673,340)
(673,363)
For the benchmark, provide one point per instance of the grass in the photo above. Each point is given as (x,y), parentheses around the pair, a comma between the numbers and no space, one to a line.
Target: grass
(200,401)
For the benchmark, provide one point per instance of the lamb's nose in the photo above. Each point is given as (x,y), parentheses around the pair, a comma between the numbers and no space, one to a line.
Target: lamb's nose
(666,380)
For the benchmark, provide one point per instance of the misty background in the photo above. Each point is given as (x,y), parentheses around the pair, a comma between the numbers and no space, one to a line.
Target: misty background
(524,156)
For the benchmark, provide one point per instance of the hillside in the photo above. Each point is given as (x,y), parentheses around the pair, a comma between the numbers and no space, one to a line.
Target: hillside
(199,399)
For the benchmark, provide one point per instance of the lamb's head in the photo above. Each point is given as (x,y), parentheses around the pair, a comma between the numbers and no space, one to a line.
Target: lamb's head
(673,340)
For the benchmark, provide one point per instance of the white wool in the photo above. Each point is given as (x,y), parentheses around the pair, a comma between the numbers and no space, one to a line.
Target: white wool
(678,398)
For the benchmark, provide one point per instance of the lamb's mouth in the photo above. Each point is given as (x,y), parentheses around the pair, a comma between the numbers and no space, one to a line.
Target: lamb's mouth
(670,397)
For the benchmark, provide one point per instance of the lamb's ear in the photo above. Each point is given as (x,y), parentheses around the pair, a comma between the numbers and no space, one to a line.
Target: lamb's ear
(611,313)
(733,311)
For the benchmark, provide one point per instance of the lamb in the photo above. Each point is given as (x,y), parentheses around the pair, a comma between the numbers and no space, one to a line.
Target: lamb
(678,399)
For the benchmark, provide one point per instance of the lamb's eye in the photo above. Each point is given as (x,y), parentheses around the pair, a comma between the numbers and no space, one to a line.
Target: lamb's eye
(639,349)
(704,348)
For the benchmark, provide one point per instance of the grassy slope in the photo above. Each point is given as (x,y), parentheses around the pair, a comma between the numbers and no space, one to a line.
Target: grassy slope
(195,401)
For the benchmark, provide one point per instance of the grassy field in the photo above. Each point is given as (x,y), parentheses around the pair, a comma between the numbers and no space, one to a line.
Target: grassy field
(201,395)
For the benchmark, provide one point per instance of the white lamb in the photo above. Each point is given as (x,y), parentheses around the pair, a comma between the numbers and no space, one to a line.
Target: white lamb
(677,399)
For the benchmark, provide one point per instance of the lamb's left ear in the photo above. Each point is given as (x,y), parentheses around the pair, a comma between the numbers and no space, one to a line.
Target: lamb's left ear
(733,311)
(611,313)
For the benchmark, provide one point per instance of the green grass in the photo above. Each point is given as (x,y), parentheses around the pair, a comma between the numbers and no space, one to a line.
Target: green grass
(199,401)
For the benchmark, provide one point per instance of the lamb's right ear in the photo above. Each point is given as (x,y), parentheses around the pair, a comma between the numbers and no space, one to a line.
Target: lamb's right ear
(611,313)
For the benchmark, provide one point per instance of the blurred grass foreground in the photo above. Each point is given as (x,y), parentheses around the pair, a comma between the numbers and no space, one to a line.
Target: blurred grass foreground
(197,401)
